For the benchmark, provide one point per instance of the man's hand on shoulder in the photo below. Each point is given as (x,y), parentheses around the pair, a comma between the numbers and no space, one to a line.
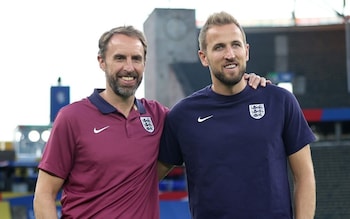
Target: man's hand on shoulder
(255,80)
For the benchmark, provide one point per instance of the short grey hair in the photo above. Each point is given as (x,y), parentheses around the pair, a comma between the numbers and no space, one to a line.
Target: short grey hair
(125,30)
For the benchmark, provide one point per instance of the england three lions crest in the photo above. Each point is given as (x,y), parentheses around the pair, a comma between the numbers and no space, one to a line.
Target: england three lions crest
(147,123)
(257,111)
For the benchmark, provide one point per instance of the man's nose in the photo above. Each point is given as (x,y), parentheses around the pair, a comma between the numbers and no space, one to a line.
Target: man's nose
(129,66)
(229,53)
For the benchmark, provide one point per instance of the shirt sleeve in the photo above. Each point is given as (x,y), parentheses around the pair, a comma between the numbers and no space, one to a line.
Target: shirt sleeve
(297,132)
(169,150)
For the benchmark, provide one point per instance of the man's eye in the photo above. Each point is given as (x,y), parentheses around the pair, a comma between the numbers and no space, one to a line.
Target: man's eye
(219,47)
(139,58)
(118,58)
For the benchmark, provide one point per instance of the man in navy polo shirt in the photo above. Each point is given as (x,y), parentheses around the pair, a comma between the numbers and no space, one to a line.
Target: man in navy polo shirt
(235,142)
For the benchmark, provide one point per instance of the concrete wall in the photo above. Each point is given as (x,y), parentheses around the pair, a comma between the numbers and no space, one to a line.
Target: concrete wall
(172,37)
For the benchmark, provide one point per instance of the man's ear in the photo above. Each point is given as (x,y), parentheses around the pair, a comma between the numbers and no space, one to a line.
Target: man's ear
(247,52)
(101,63)
(203,58)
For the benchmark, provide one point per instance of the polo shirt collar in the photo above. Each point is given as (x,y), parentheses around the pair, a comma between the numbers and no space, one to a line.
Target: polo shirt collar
(107,108)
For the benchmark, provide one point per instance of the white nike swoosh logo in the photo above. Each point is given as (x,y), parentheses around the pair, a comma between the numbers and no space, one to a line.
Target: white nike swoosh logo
(203,119)
(96,131)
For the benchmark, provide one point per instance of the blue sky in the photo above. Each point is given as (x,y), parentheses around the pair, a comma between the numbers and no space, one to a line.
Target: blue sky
(42,40)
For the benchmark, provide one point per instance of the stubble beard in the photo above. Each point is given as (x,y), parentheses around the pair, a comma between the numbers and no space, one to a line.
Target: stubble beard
(229,81)
(121,91)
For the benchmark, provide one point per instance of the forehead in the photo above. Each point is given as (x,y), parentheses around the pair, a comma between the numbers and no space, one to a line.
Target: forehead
(123,44)
(224,34)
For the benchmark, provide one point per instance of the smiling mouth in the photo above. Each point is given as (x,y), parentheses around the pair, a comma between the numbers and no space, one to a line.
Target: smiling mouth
(231,66)
(128,78)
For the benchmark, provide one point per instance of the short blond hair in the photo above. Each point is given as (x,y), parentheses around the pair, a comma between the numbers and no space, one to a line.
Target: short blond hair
(217,19)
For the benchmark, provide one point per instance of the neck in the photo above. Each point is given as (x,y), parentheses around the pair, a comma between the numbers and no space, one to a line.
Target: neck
(228,90)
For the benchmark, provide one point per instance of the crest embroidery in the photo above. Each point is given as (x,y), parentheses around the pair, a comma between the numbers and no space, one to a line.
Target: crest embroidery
(147,123)
(257,111)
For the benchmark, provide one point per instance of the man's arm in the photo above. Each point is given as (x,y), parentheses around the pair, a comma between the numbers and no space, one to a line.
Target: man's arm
(256,80)
(304,183)
(163,169)
(46,190)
